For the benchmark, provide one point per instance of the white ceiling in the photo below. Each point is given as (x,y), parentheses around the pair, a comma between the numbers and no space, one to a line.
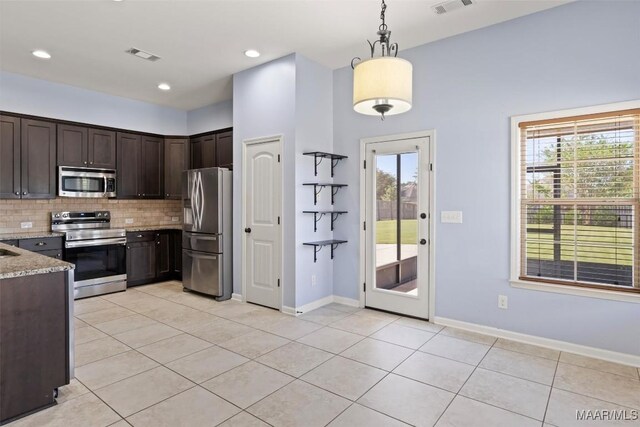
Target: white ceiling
(201,43)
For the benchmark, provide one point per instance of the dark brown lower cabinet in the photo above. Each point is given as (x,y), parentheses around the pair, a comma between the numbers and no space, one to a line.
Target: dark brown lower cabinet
(141,261)
(163,255)
(34,342)
(153,256)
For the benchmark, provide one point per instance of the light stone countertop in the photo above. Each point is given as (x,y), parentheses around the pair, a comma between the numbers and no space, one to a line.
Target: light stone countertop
(153,227)
(29,263)
(29,235)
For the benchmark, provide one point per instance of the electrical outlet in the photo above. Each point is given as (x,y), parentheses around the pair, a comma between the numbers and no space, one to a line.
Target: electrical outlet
(128,221)
(26,224)
(451,217)
(503,302)
(175,219)
(313,280)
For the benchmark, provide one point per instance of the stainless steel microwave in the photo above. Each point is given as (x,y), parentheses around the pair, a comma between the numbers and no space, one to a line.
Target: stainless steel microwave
(86,182)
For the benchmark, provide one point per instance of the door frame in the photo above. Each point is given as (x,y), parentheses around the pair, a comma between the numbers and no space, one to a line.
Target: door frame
(261,140)
(431,134)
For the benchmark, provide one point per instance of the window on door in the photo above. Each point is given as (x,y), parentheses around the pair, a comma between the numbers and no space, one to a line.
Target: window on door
(397,222)
(579,197)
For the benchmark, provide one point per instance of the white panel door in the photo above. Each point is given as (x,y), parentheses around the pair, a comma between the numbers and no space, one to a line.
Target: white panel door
(397,226)
(262,206)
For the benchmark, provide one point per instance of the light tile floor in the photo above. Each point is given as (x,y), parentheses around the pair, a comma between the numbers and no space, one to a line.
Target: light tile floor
(156,356)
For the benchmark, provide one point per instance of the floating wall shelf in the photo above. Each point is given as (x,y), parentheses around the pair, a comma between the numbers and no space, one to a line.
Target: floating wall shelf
(318,186)
(317,246)
(319,156)
(317,215)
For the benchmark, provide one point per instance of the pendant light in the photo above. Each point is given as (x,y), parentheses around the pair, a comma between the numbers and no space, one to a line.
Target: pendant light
(382,84)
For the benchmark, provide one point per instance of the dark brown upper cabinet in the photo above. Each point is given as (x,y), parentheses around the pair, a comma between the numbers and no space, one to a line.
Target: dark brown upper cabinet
(203,152)
(224,149)
(86,147)
(101,149)
(28,160)
(129,169)
(10,157)
(140,166)
(152,167)
(176,160)
(72,146)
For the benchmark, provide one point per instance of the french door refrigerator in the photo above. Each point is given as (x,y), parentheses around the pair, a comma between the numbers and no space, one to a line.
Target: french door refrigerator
(206,233)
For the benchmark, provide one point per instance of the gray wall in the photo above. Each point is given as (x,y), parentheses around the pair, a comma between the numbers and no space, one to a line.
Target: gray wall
(264,105)
(466,88)
(314,132)
(26,95)
(210,117)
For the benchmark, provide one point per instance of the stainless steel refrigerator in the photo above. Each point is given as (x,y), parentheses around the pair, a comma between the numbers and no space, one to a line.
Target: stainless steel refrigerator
(206,233)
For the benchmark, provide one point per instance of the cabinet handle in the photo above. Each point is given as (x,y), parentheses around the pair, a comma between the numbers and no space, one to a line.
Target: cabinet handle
(85,163)
(167,194)
(90,163)
(17,193)
(139,236)
(41,244)
(158,242)
(24,193)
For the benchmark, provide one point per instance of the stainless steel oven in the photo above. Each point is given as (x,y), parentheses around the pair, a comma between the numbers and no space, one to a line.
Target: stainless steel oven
(86,182)
(97,250)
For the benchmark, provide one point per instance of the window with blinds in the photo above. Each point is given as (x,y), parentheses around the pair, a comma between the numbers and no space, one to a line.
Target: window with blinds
(579,195)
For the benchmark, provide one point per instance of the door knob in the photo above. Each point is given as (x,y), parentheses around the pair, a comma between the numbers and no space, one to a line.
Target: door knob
(423,215)
(247,230)
(423,241)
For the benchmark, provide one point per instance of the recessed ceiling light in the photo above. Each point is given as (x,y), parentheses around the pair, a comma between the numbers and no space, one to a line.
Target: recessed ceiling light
(252,53)
(42,54)
(164,86)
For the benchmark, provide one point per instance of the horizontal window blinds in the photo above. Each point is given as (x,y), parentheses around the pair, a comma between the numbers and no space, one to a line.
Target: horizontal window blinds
(579,196)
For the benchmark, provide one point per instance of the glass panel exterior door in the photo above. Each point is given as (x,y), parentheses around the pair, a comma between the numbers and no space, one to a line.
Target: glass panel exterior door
(396,222)
(397,219)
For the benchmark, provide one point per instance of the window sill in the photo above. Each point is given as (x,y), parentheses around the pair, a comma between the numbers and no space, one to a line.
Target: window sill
(574,290)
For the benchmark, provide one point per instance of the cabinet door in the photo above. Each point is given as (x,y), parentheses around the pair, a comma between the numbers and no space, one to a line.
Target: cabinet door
(196,153)
(102,149)
(176,160)
(72,146)
(224,150)
(129,166)
(153,171)
(176,254)
(38,159)
(209,151)
(9,157)
(163,254)
(141,262)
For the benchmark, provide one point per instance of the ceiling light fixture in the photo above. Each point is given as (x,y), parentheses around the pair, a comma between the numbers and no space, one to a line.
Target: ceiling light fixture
(252,53)
(42,54)
(164,86)
(383,84)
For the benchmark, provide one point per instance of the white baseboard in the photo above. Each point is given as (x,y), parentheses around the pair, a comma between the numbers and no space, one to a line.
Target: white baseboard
(599,353)
(288,310)
(346,301)
(236,297)
(314,304)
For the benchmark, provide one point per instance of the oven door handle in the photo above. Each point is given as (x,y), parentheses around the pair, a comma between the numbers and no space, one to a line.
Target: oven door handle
(96,242)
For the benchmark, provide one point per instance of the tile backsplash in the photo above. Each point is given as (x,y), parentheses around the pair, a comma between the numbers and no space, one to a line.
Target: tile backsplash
(38,212)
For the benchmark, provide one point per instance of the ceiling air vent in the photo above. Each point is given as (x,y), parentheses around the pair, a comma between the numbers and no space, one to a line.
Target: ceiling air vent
(142,54)
(449,6)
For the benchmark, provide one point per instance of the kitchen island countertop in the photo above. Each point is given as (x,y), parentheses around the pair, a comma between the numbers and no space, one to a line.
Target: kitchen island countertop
(28,263)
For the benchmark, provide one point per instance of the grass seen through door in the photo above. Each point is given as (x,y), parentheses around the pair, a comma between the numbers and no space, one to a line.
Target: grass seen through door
(386,231)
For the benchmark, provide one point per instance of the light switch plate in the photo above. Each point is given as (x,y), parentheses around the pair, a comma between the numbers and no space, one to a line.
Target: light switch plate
(128,221)
(26,224)
(451,217)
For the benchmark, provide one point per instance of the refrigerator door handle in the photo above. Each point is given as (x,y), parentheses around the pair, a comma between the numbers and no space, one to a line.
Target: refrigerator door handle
(200,254)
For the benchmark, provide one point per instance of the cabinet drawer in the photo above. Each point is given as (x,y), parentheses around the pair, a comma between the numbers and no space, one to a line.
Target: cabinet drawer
(38,245)
(10,242)
(53,253)
(141,236)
